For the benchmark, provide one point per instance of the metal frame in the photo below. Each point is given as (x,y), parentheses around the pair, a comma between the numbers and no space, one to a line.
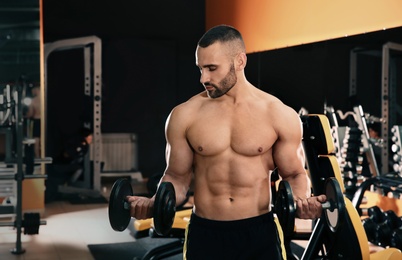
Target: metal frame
(353,73)
(92,47)
(388,106)
(368,149)
(18,172)
(388,93)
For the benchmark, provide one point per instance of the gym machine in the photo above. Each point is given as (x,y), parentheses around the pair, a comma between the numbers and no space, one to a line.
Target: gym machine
(353,146)
(327,240)
(19,160)
(390,55)
(92,53)
(88,179)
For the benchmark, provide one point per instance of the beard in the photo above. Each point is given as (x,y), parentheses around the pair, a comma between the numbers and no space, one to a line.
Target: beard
(226,84)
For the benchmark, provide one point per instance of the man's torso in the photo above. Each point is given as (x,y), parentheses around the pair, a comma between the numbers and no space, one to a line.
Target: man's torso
(232,146)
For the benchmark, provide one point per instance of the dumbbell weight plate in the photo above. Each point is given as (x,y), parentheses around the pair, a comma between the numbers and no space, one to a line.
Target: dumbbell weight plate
(396,238)
(119,214)
(335,214)
(164,208)
(285,208)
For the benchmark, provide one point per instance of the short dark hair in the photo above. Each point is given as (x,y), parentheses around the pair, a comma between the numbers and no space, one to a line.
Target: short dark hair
(221,33)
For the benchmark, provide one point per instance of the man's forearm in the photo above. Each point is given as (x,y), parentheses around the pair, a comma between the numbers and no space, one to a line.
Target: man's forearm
(300,184)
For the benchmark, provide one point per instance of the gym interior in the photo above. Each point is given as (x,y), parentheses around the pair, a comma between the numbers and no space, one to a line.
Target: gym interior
(109,73)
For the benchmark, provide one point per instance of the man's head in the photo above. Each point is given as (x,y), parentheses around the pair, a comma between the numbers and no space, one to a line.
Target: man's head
(220,56)
(224,34)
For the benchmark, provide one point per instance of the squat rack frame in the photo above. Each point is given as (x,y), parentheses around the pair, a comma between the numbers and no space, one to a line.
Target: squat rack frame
(92,47)
(389,105)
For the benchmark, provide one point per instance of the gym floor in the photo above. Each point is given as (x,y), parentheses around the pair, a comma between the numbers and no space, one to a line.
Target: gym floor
(70,228)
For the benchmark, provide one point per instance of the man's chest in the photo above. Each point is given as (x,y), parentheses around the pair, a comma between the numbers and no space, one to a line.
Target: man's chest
(244,133)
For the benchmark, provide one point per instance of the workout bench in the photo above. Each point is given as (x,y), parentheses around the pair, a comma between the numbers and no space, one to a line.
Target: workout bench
(180,222)
(350,240)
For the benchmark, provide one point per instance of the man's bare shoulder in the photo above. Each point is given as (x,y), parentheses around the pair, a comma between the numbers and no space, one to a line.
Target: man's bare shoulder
(192,102)
(272,103)
(278,111)
(189,107)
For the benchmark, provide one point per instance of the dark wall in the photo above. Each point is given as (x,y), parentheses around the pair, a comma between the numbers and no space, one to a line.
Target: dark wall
(314,74)
(66,104)
(139,92)
(302,76)
(147,64)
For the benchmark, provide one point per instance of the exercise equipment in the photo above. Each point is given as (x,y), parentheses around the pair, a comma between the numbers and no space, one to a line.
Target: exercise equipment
(396,238)
(385,229)
(375,216)
(396,148)
(30,222)
(19,160)
(285,207)
(380,226)
(119,208)
(350,240)
(164,206)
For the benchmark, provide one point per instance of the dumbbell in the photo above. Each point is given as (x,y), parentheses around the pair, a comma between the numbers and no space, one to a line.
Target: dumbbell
(385,229)
(369,224)
(164,206)
(396,238)
(333,208)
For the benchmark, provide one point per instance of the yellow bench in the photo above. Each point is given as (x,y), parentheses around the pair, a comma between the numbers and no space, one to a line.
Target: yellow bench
(181,220)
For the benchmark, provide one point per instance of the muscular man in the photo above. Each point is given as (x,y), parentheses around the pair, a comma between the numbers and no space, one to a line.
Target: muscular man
(228,139)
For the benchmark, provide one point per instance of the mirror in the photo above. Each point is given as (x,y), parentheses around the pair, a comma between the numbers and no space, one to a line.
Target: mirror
(19,41)
(19,62)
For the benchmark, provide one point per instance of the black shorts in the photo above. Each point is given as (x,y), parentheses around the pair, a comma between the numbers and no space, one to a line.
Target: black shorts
(253,238)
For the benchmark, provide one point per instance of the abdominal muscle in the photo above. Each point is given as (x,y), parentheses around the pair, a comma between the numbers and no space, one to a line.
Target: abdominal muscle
(230,186)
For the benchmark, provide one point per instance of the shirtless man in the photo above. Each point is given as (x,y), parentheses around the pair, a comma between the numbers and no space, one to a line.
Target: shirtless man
(230,138)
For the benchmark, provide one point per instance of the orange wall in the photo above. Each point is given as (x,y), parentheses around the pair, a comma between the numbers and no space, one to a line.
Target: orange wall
(272,24)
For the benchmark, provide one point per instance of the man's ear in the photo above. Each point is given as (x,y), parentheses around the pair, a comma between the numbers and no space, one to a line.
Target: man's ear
(241,60)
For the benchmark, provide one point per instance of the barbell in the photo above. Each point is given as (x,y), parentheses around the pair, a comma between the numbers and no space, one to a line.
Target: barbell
(333,208)
(164,206)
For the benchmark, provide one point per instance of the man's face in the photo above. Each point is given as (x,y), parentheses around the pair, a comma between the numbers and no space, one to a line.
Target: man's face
(218,74)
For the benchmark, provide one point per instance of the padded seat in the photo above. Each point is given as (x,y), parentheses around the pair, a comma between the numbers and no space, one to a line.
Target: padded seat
(318,143)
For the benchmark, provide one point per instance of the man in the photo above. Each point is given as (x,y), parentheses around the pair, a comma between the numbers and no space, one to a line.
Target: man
(230,138)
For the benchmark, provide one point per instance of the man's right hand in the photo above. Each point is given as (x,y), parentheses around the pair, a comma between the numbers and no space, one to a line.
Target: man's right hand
(310,208)
(141,207)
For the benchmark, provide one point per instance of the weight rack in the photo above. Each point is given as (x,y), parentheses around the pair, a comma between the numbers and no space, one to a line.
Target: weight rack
(14,122)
